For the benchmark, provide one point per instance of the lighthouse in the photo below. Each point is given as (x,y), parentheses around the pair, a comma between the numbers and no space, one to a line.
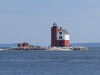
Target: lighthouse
(59,37)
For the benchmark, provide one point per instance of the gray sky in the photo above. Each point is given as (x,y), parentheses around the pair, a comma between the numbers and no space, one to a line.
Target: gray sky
(31,20)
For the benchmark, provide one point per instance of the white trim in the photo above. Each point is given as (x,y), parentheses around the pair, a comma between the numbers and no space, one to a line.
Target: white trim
(64,36)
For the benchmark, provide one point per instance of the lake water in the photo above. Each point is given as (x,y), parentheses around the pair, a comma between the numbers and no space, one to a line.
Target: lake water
(50,62)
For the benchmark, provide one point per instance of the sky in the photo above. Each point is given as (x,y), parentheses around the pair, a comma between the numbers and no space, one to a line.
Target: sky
(31,20)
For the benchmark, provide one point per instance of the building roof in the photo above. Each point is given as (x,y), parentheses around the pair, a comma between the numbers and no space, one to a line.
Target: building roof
(65,31)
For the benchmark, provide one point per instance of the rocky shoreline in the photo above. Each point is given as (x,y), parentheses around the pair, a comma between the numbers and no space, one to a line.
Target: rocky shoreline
(47,48)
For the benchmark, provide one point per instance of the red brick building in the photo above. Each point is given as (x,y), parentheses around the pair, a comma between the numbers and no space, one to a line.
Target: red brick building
(23,45)
(59,37)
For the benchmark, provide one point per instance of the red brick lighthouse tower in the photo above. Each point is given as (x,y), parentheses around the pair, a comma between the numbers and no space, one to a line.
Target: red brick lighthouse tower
(59,37)
(54,31)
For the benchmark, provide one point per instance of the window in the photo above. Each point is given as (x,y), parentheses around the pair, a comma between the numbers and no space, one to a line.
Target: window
(60,32)
(60,37)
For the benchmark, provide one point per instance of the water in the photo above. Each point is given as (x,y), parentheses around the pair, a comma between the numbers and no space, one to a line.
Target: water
(50,62)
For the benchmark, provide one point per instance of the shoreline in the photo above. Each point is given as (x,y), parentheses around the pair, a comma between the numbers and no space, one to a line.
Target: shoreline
(46,49)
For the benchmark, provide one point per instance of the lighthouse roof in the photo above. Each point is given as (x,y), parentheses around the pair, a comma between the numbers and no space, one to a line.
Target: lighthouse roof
(54,24)
(65,31)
